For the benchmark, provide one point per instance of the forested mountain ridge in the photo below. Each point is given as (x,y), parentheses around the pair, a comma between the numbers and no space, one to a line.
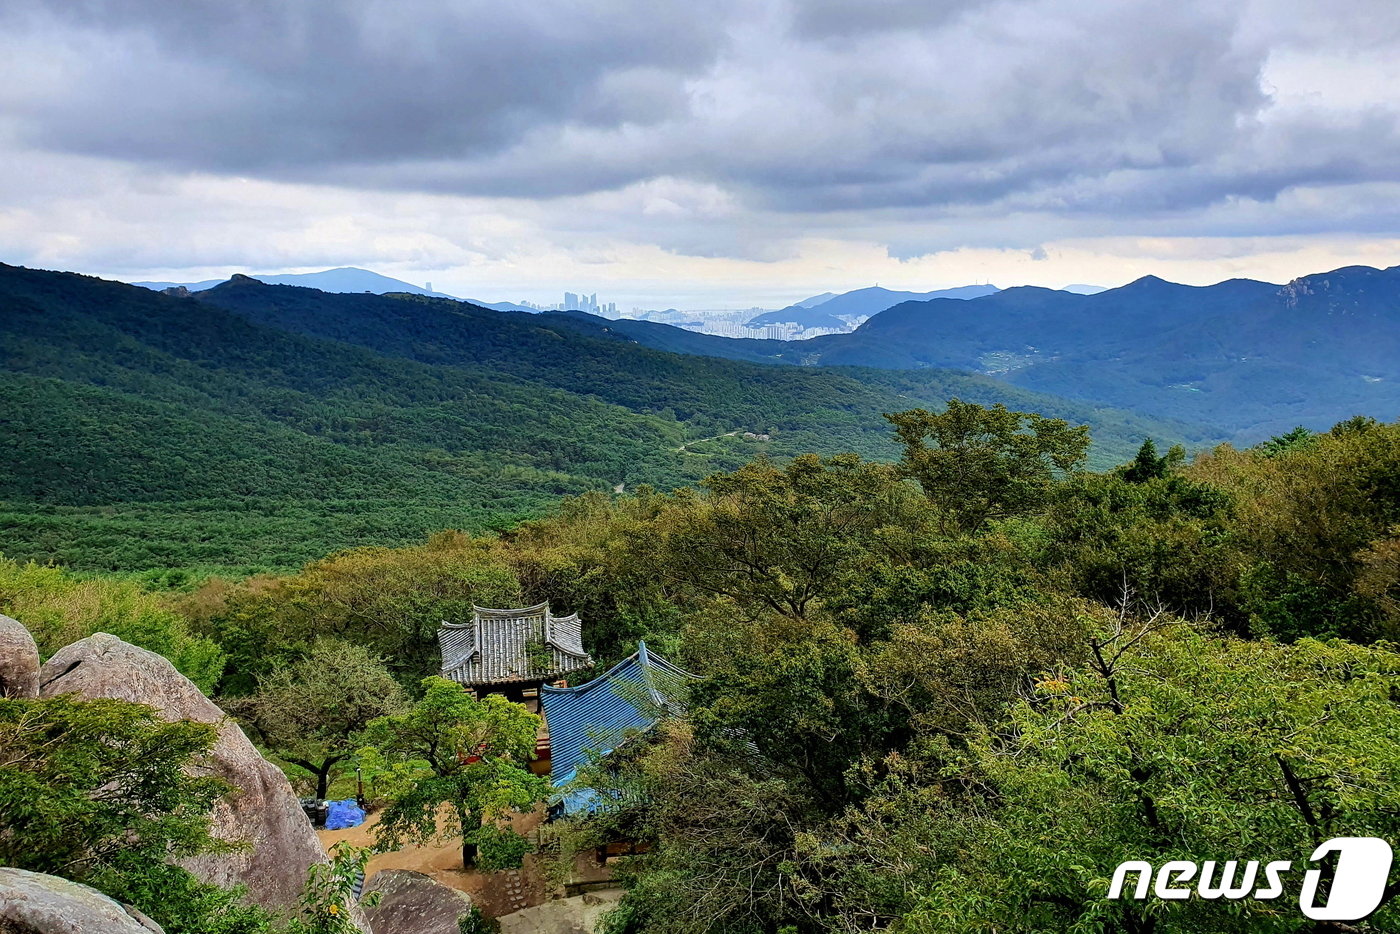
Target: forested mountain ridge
(256,425)
(583,354)
(862,302)
(1249,358)
(342,279)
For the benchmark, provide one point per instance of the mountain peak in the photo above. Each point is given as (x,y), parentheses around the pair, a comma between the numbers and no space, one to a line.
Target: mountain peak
(1145,285)
(1343,272)
(814,301)
(340,279)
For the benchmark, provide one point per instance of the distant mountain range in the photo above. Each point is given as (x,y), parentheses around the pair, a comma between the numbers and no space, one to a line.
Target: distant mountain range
(344,279)
(250,425)
(831,311)
(502,306)
(1248,358)
(1251,358)
(858,304)
(341,280)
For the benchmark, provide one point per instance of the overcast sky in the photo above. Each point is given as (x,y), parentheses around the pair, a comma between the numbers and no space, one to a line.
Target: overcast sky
(701,154)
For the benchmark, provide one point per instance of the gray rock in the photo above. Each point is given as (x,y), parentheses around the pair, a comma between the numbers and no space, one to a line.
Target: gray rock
(19,660)
(262,810)
(578,915)
(412,903)
(34,903)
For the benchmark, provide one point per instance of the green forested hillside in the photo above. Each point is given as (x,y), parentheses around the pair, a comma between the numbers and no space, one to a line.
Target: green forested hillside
(1249,358)
(261,426)
(941,695)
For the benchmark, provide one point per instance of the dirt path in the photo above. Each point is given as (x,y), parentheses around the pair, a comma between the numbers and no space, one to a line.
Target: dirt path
(497,893)
(682,448)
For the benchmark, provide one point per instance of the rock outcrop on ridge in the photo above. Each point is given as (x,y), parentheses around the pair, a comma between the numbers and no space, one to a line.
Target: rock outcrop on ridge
(261,810)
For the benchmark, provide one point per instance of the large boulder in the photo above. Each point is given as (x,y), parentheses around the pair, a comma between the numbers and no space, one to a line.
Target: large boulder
(262,809)
(19,660)
(412,903)
(33,903)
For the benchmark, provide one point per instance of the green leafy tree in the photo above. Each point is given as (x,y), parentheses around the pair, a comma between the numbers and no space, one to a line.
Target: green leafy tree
(1147,465)
(795,726)
(1309,519)
(1167,744)
(311,712)
(783,539)
(726,843)
(100,792)
(1166,538)
(1298,439)
(789,700)
(979,464)
(60,608)
(1379,579)
(589,557)
(329,895)
(474,922)
(455,767)
(85,782)
(389,600)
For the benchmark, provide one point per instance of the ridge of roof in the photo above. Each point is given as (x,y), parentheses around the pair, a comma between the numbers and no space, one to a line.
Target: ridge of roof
(536,610)
(645,661)
(599,716)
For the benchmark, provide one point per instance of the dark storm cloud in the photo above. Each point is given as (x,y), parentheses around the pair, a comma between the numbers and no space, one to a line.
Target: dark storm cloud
(301,86)
(1006,99)
(1061,106)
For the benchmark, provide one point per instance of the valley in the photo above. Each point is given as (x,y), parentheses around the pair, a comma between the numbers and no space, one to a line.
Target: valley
(252,426)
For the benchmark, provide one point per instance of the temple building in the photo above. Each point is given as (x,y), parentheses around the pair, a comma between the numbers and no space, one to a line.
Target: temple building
(525,653)
(593,719)
(512,652)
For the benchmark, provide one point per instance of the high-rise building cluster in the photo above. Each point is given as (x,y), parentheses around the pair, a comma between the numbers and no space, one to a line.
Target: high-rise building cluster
(588,303)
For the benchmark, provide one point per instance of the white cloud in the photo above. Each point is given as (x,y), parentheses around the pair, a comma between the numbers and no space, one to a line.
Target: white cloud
(727,152)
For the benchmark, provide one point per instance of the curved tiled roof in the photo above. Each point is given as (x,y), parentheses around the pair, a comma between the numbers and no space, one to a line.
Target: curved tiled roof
(500,646)
(595,717)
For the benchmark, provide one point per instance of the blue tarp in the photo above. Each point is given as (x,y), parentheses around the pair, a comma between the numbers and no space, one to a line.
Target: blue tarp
(342,814)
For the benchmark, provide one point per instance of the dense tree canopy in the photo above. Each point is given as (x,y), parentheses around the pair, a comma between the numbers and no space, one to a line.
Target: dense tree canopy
(978,464)
(1169,744)
(947,694)
(60,608)
(390,601)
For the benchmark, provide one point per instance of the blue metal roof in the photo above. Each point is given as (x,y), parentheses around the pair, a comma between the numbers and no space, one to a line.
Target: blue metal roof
(596,717)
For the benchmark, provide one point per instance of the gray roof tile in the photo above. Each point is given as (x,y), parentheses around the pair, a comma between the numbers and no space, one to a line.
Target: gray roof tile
(500,646)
